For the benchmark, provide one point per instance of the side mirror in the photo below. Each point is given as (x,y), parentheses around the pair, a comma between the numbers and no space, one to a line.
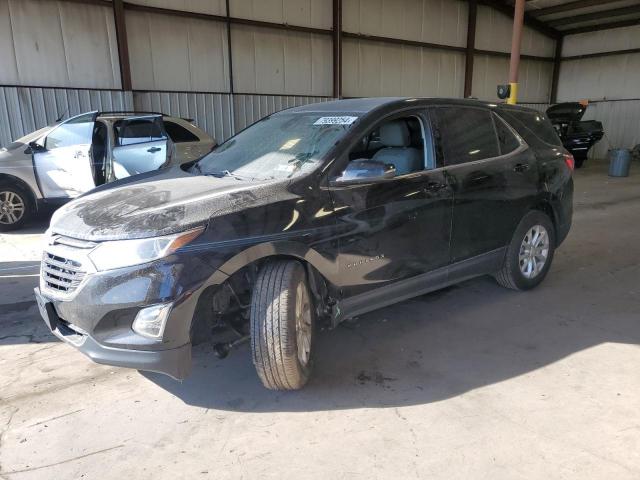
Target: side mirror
(36,147)
(364,170)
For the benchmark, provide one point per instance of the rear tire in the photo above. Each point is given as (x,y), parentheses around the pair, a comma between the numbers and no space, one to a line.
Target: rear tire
(282,326)
(578,162)
(16,207)
(529,254)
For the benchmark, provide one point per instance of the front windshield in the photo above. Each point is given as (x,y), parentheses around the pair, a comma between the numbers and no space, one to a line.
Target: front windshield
(278,147)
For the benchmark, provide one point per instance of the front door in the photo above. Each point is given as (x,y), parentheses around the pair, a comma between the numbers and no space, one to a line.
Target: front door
(62,163)
(141,145)
(397,228)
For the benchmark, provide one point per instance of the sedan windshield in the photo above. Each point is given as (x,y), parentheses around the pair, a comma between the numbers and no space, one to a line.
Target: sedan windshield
(278,147)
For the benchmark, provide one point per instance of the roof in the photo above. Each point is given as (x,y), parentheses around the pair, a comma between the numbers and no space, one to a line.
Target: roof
(365,105)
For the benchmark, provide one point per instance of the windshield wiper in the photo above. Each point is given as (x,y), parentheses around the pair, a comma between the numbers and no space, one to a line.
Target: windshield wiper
(225,173)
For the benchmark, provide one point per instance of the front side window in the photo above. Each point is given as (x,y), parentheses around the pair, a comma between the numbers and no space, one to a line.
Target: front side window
(278,147)
(465,134)
(75,131)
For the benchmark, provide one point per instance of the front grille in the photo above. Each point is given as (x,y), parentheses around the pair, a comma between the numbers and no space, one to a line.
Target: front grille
(62,270)
(61,274)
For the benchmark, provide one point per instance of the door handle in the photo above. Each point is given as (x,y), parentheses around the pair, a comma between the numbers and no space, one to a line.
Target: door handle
(521,167)
(153,149)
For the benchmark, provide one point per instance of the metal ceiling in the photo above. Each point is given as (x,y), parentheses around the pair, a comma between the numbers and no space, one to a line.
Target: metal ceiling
(578,16)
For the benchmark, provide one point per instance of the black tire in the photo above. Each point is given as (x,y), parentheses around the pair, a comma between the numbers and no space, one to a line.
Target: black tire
(511,275)
(10,190)
(274,342)
(578,162)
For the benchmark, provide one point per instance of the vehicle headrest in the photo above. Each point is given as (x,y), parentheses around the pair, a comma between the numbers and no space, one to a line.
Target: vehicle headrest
(395,134)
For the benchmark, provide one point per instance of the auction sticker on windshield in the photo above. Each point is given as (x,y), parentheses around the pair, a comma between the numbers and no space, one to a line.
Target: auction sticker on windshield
(335,120)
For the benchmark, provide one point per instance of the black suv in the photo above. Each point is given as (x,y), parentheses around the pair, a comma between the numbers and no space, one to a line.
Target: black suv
(312,215)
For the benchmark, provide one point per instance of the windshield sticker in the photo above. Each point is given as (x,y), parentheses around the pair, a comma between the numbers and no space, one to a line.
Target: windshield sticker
(335,120)
(290,144)
(287,167)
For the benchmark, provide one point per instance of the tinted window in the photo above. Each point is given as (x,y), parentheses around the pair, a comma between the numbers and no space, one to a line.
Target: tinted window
(507,141)
(76,131)
(532,126)
(130,132)
(465,134)
(178,133)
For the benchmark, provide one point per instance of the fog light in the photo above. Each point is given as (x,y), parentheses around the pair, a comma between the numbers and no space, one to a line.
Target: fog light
(150,321)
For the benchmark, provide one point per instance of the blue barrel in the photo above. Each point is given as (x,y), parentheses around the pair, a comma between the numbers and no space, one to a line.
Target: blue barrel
(619,162)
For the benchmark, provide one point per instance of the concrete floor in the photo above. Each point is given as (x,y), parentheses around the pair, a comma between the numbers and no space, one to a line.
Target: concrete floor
(471,382)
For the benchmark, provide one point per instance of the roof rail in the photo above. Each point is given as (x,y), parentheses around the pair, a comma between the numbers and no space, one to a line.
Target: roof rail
(130,112)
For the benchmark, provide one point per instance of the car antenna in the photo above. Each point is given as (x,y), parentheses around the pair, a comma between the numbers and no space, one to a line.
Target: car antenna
(62,116)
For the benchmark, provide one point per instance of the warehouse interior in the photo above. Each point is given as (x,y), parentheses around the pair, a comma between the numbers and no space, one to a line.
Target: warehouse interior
(471,381)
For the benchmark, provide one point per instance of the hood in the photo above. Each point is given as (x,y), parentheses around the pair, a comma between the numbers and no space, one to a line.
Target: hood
(168,203)
(566,112)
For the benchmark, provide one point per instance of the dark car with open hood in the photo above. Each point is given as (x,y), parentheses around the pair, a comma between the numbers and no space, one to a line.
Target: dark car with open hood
(311,216)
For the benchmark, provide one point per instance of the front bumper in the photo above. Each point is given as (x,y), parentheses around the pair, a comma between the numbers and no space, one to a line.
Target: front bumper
(175,362)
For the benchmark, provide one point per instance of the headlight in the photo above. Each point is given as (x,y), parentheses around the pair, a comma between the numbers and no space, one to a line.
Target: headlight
(125,253)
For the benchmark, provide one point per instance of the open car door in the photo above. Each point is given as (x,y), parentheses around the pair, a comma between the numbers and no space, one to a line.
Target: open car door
(62,159)
(141,145)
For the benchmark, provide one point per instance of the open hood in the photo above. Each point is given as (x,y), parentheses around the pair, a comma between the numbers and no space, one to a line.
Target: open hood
(566,112)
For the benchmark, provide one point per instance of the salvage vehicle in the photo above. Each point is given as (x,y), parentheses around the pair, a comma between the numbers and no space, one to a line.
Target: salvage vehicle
(62,161)
(311,216)
(577,136)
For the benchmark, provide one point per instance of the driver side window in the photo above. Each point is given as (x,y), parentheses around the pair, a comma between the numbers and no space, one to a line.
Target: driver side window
(399,142)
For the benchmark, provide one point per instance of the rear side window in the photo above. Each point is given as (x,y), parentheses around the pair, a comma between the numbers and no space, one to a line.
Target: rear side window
(532,126)
(178,133)
(507,141)
(465,134)
(130,132)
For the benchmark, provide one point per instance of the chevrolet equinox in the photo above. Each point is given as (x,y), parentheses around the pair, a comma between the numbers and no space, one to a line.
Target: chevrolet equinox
(311,216)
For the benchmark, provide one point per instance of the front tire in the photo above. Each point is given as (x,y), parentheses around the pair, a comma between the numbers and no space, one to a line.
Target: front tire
(282,326)
(529,254)
(16,207)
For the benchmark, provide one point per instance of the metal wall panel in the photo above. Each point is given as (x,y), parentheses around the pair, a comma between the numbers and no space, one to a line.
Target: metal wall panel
(212,112)
(57,44)
(493,32)
(251,108)
(307,13)
(373,69)
(534,78)
(600,78)
(272,61)
(620,120)
(603,41)
(176,53)
(211,7)
(434,21)
(24,110)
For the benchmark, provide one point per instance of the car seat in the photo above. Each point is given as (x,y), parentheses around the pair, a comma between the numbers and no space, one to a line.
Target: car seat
(395,136)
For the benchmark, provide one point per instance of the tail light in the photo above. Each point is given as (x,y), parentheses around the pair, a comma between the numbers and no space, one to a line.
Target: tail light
(568,159)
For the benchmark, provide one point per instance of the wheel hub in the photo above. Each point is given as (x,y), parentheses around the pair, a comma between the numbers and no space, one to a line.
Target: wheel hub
(303,324)
(11,208)
(534,251)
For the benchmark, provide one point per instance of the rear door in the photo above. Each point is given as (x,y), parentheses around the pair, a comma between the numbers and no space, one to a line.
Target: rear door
(63,165)
(492,173)
(141,145)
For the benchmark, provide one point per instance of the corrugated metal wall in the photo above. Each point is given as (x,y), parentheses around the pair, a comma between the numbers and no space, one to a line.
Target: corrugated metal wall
(610,83)
(24,110)
(306,13)
(57,44)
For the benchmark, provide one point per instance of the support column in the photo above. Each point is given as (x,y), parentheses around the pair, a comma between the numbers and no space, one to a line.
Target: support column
(556,70)
(229,50)
(337,48)
(471,46)
(516,41)
(123,46)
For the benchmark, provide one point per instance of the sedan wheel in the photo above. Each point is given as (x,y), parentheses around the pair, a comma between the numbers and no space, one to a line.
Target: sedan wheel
(12,207)
(534,251)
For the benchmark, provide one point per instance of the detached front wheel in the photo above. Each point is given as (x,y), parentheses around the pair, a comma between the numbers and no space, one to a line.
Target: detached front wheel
(282,325)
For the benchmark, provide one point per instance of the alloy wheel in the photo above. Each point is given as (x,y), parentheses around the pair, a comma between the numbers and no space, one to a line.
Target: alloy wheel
(303,324)
(534,251)
(11,207)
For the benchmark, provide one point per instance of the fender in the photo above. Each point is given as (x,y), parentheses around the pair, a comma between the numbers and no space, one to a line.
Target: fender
(327,267)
